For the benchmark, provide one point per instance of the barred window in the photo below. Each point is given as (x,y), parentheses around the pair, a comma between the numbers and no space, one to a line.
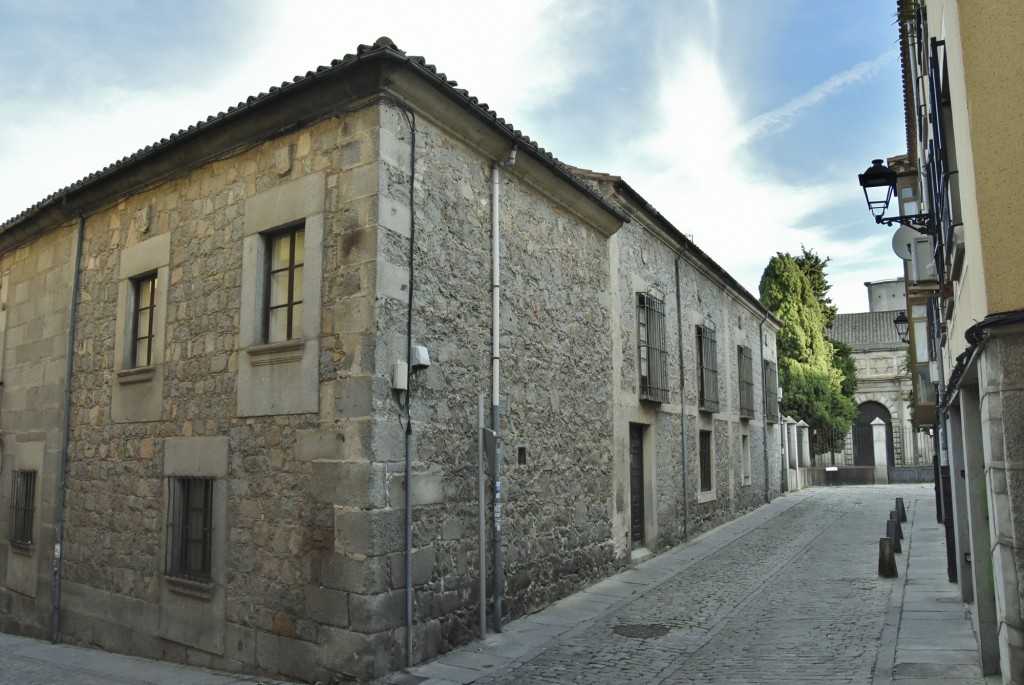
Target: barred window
(745,365)
(653,355)
(706,465)
(190,528)
(23,501)
(284,285)
(771,392)
(707,368)
(142,320)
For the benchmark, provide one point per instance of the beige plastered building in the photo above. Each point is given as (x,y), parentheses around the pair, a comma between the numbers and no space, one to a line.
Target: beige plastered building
(962,66)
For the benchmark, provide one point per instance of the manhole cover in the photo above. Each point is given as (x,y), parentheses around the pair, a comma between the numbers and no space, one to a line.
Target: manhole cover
(641,630)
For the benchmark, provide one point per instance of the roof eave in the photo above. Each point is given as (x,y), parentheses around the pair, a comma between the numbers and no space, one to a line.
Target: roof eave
(324,92)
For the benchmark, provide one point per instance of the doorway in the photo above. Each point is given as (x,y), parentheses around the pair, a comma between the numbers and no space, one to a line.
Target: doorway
(636,485)
(863,434)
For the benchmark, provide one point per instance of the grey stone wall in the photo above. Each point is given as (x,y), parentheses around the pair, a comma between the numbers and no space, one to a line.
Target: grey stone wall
(644,255)
(555,375)
(277,611)
(309,567)
(35,306)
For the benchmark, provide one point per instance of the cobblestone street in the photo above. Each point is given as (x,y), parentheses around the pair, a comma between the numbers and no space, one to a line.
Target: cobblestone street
(788,593)
(783,595)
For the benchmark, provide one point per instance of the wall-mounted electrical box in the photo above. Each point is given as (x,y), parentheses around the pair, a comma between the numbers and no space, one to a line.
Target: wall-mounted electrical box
(400,376)
(420,358)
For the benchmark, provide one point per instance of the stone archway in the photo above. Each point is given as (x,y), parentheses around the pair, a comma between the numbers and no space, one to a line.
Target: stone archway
(863,440)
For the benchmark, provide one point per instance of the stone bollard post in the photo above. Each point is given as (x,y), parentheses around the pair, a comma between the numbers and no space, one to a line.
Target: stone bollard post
(792,451)
(886,559)
(900,507)
(890,530)
(878,443)
(804,443)
(894,516)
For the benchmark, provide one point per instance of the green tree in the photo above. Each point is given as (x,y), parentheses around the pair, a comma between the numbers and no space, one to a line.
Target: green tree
(814,388)
(843,361)
(813,267)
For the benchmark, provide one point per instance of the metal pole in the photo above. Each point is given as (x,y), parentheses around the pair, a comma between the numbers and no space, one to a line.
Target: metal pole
(682,405)
(62,475)
(481,515)
(764,419)
(498,584)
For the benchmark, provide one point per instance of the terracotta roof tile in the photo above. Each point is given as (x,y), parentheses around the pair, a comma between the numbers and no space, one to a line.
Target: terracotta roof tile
(865,329)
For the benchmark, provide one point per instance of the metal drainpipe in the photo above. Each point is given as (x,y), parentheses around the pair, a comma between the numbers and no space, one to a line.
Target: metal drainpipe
(408,397)
(62,480)
(496,371)
(764,421)
(682,405)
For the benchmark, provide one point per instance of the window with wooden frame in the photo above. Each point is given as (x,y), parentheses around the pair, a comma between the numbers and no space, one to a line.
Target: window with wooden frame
(707,369)
(190,529)
(771,392)
(745,366)
(144,293)
(285,251)
(653,353)
(23,504)
(706,463)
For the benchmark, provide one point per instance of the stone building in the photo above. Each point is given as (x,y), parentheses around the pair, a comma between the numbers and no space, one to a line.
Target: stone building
(227,356)
(883,389)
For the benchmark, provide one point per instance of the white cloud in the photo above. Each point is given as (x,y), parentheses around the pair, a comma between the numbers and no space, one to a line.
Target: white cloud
(783,117)
(513,58)
(695,167)
(509,58)
(691,158)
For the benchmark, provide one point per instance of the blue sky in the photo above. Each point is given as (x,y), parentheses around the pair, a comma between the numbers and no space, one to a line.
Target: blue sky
(744,122)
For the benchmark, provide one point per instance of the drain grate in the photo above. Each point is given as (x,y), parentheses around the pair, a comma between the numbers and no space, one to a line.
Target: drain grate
(641,630)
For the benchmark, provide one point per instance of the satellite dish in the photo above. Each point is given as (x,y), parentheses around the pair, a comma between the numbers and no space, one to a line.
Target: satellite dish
(902,240)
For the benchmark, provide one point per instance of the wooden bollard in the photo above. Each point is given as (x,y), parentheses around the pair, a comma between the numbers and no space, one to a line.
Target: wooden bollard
(890,530)
(895,517)
(902,509)
(886,559)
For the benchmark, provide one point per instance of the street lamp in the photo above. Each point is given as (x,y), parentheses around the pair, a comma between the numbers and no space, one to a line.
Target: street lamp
(879,184)
(902,324)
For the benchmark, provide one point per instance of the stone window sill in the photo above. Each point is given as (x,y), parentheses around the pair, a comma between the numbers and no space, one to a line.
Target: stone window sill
(22,548)
(706,497)
(192,588)
(141,374)
(276,353)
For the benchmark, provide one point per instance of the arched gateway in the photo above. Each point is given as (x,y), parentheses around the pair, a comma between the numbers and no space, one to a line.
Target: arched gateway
(863,440)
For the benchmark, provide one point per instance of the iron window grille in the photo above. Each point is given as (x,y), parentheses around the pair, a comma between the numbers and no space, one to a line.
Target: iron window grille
(771,392)
(707,367)
(142,321)
(653,352)
(190,529)
(745,362)
(23,500)
(705,461)
(284,285)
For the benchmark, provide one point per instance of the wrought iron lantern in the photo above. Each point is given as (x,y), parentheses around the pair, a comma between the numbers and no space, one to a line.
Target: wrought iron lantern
(902,324)
(879,185)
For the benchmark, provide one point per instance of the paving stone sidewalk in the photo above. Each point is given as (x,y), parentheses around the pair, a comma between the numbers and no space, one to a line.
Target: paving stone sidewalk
(786,594)
(25,661)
